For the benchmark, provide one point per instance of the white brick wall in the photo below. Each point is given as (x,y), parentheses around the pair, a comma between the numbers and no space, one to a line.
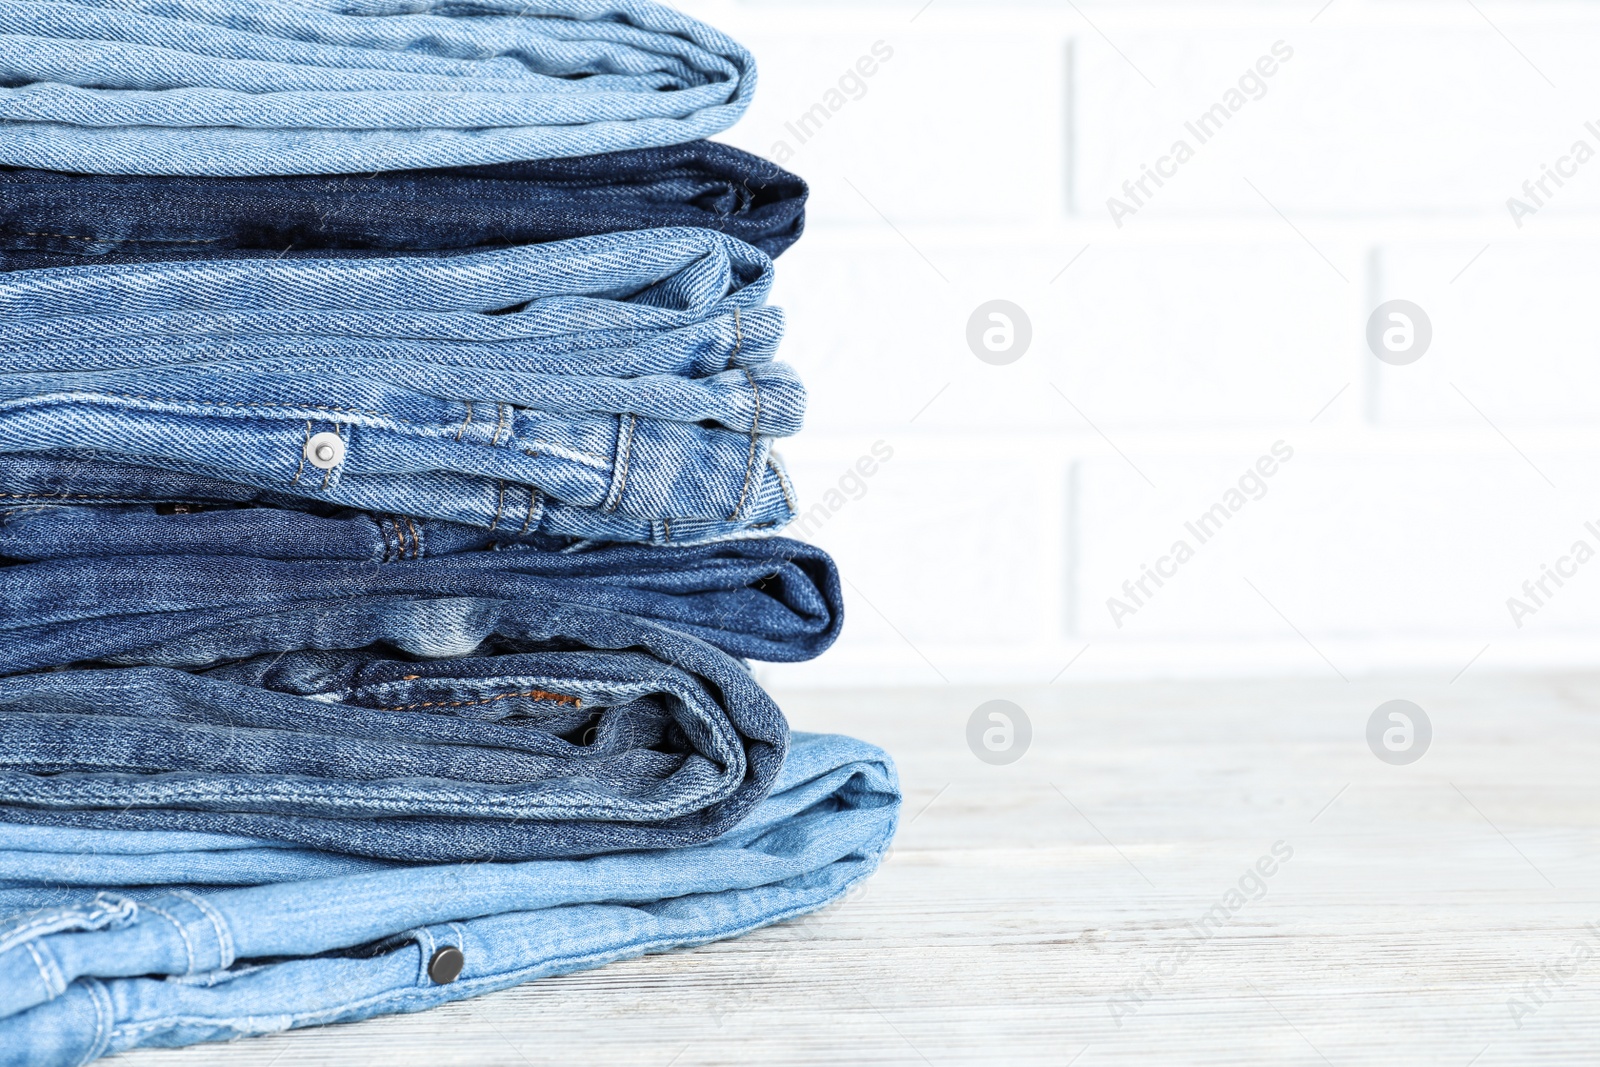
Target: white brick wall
(975,162)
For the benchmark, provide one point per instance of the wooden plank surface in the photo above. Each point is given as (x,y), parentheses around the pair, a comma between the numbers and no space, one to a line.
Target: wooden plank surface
(1436,913)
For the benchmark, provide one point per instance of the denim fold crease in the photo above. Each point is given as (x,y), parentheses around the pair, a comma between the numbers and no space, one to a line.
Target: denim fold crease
(114,940)
(619,387)
(268,87)
(51,219)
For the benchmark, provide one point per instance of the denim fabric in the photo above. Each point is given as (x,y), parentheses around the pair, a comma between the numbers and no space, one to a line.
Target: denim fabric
(618,387)
(240,87)
(118,940)
(109,583)
(65,220)
(413,726)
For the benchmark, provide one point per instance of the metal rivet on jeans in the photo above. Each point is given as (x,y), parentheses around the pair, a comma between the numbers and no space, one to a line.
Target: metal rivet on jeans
(445,967)
(325,451)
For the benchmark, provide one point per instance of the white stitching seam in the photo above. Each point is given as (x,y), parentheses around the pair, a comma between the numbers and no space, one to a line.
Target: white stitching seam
(750,460)
(104,1020)
(188,945)
(218,923)
(55,983)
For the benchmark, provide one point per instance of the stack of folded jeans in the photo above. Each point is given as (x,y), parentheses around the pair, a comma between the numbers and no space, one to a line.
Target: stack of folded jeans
(388,510)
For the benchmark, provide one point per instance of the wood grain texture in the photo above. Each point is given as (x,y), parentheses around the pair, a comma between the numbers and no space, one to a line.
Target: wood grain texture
(1420,904)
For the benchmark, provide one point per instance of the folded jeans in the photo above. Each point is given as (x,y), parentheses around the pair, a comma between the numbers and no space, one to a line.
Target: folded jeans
(256,87)
(51,219)
(429,728)
(118,940)
(625,391)
(151,585)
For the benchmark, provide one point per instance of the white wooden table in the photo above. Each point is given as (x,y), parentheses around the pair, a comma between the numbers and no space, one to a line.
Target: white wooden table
(1426,911)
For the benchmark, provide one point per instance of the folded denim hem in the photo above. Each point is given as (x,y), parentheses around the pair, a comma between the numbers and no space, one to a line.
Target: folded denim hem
(52,219)
(80,589)
(206,87)
(258,960)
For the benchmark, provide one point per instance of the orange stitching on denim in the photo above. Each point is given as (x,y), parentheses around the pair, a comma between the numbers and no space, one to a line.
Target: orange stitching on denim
(750,461)
(534,694)
(416,540)
(466,422)
(327,475)
(499,508)
(400,535)
(301,469)
(499,425)
(527,520)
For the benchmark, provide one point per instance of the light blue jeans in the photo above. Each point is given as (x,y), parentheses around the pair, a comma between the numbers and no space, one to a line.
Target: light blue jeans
(619,387)
(122,939)
(259,87)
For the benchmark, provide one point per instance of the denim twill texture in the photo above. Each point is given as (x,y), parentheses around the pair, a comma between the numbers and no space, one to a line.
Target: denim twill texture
(618,387)
(117,940)
(259,87)
(387,407)
(48,219)
(136,584)
(614,734)
(375,686)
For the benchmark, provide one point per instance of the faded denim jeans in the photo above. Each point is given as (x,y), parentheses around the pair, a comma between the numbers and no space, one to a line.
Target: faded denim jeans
(240,87)
(619,387)
(116,940)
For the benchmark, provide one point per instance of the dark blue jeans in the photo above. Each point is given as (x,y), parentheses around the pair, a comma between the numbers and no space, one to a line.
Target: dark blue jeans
(381,687)
(574,731)
(183,585)
(49,219)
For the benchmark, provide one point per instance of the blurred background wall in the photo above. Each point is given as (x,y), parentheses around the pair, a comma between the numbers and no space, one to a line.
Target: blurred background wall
(1198,346)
